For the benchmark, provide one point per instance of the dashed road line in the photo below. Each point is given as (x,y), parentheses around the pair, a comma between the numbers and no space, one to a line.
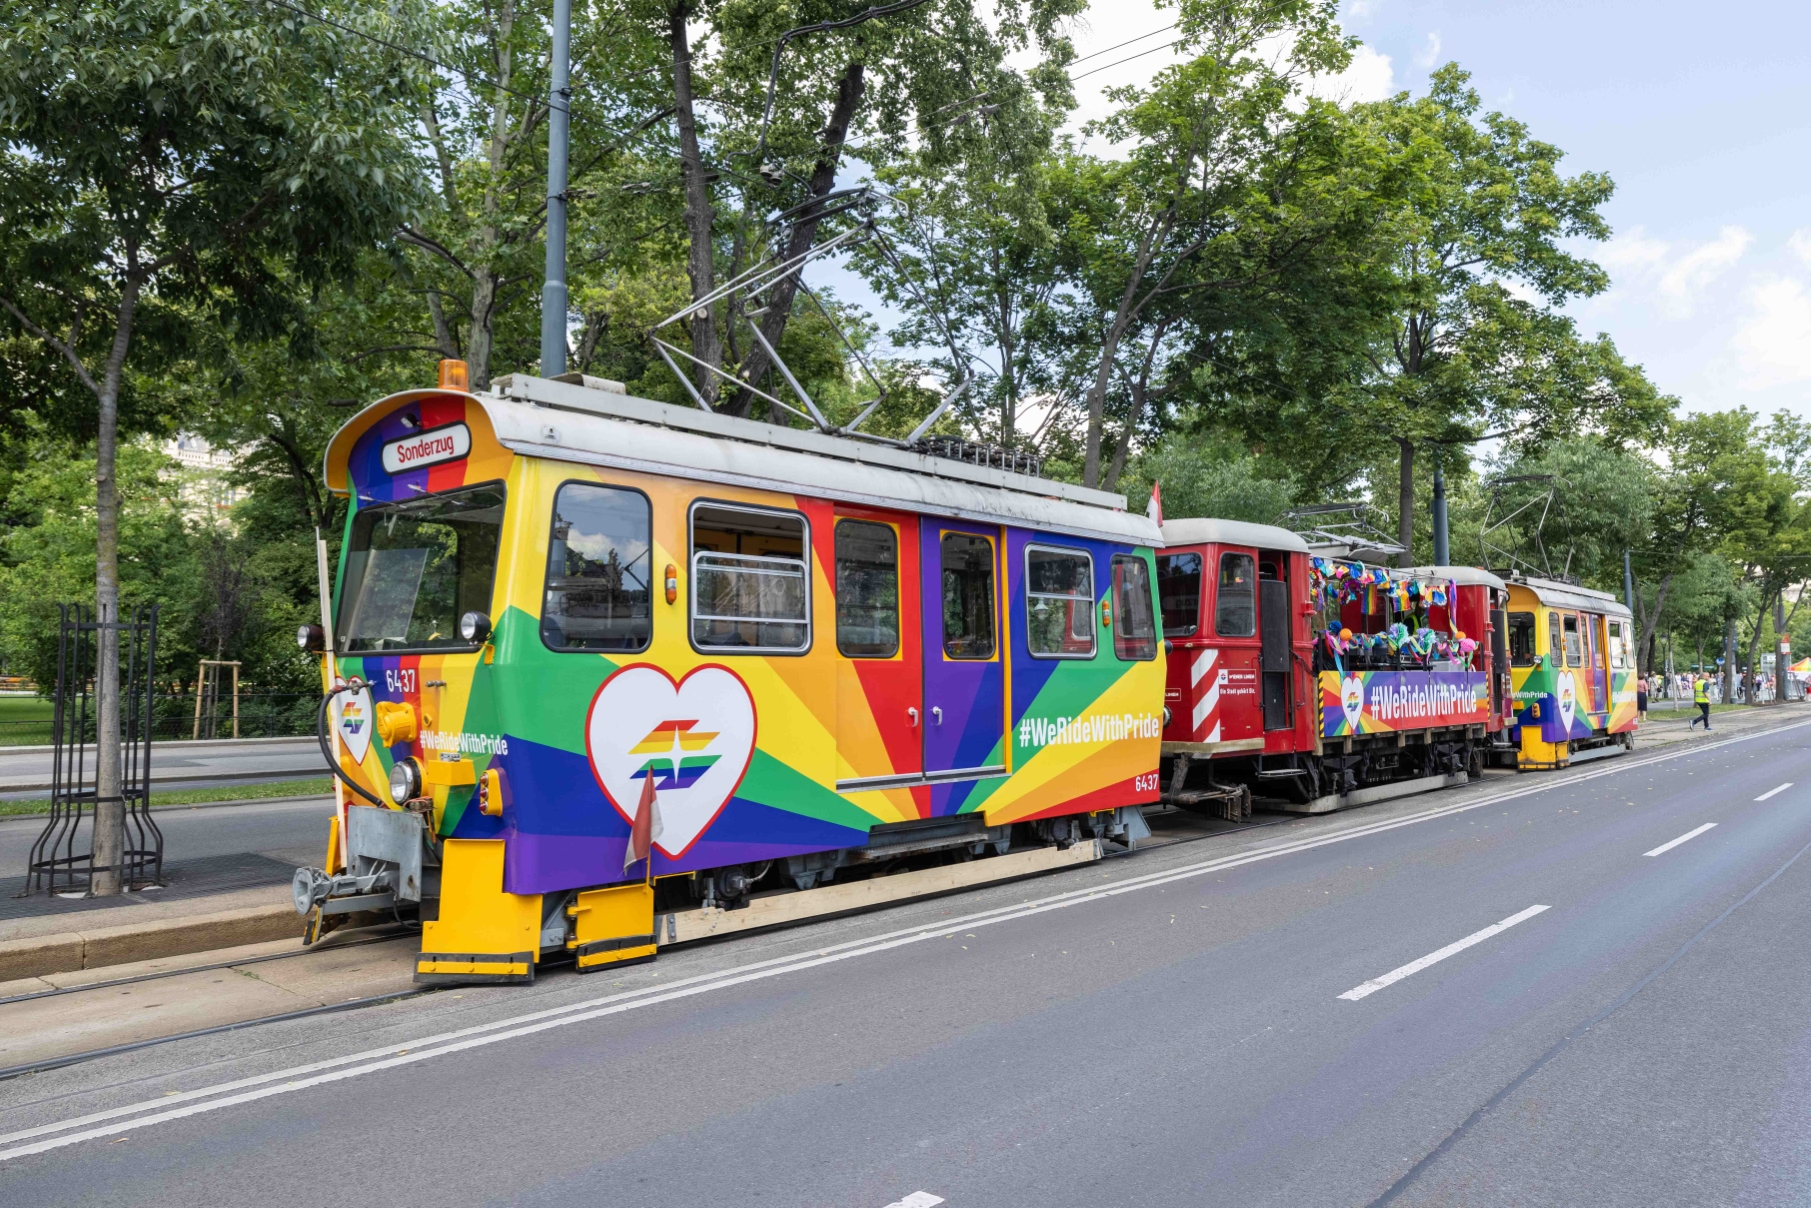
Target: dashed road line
(1433,958)
(1690,834)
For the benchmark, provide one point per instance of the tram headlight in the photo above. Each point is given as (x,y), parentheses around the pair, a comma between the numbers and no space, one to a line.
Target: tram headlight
(474,627)
(311,637)
(405,781)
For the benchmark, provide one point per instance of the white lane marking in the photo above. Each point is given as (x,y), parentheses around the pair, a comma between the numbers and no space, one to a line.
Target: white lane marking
(918,1199)
(1434,958)
(1690,834)
(296,1076)
(1771,792)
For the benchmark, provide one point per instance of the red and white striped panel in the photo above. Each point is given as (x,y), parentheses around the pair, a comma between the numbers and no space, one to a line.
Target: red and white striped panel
(1204,680)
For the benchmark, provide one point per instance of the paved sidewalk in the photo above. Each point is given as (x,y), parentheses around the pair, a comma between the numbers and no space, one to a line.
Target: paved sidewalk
(1664,728)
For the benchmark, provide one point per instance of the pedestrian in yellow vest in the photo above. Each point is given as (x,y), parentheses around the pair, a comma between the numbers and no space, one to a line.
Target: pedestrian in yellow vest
(1701,698)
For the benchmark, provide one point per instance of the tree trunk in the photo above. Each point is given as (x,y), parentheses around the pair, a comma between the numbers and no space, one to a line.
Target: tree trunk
(1650,619)
(1405,502)
(700,261)
(478,347)
(1141,389)
(1729,661)
(110,806)
(485,278)
(1752,678)
(849,92)
(1109,350)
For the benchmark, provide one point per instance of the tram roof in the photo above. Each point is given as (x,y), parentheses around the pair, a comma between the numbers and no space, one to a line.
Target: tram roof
(1466,576)
(1555,594)
(538,417)
(1203,530)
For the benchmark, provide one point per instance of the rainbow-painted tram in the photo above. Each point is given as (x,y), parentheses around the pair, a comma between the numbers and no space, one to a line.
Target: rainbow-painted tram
(589,656)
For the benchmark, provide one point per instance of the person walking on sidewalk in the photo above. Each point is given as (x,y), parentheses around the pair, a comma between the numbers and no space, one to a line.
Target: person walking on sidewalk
(1701,698)
(1641,698)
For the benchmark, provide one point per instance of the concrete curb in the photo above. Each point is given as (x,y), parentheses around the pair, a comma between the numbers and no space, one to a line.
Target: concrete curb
(92,947)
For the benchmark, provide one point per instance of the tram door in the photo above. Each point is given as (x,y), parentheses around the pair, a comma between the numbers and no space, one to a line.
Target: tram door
(1500,688)
(964,649)
(1600,658)
(880,665)
(1273,649)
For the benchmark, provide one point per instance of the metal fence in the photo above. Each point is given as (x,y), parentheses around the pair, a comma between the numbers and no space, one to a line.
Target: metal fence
(261,715)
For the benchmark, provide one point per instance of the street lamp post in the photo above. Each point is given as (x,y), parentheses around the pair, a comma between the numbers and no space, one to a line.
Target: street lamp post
(553,290)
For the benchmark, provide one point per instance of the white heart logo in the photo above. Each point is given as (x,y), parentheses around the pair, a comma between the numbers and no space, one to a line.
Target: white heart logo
(1352,700)
(694,737)
(1568,699)
(354,719)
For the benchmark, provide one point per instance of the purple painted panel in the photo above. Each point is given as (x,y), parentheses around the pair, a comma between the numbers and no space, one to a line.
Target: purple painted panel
(970,692)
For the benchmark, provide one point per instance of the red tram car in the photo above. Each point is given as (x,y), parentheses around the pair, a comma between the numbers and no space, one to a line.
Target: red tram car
(1321,681)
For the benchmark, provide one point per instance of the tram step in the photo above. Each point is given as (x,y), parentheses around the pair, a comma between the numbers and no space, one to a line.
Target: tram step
(1376,792)
(683,926)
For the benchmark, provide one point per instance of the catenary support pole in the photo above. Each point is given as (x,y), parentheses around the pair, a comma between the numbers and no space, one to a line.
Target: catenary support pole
(553,290)
(1628,582)
(1441,552)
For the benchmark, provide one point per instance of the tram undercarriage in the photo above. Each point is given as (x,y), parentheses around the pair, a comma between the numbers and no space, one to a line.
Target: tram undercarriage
(1347,771)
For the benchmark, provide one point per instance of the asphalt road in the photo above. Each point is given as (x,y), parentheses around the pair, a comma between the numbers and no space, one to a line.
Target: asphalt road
(1248,1020)
(183,764)
(284,830)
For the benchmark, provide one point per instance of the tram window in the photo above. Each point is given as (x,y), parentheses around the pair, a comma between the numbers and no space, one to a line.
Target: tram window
(599,570)
(416,566)
(1059,603)
(967,564)
(1619,649)
(1574,652)
(1554,648)
(1236,604)
(867,589)
(1521,640)
(1134,628)
(1179,593)
(750,582)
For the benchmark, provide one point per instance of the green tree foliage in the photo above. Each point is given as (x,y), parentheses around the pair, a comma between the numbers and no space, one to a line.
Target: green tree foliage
(1474,342)
(164,160)
(1212,478)
(766,99)
(1603,501)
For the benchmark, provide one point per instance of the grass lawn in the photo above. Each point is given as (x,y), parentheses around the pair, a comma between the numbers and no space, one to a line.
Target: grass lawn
(315,786)
(24,720)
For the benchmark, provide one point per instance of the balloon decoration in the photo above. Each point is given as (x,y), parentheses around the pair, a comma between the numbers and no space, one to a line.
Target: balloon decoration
(1383,592)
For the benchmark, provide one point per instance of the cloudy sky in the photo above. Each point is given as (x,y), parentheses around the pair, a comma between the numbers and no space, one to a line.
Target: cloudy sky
(1701,113)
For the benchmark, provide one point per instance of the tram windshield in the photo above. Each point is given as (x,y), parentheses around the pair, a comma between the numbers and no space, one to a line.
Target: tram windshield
(415,567)
(1179,593)
(1521,640)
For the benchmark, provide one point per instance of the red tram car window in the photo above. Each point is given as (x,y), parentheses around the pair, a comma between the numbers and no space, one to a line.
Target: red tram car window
(1236,602)
(1179,593)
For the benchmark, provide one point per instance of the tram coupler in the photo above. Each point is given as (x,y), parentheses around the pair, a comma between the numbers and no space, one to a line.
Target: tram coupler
(1227,802)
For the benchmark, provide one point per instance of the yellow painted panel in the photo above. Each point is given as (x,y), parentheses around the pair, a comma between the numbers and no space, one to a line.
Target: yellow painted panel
(609,914)
(476,916)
